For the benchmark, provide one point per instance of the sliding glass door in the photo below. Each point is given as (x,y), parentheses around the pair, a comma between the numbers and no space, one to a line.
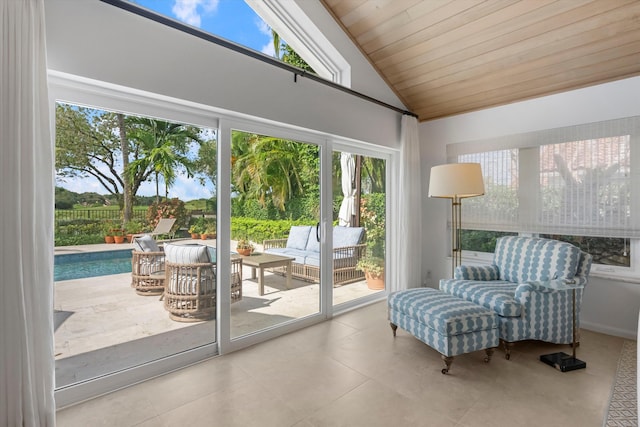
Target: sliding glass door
(120,176)
(359,201)
(275,230)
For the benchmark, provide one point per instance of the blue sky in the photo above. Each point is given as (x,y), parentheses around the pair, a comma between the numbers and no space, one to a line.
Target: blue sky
(231,19)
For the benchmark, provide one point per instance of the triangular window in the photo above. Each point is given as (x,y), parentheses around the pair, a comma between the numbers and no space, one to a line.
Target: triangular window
(253,24)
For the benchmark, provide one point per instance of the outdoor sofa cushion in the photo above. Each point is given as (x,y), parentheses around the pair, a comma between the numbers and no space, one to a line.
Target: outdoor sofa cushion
(310,254)
(298,237)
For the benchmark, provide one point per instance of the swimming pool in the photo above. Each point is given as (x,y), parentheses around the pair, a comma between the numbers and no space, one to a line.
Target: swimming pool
(91,264)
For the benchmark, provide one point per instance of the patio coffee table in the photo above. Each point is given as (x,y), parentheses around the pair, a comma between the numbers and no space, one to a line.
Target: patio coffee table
(260,261)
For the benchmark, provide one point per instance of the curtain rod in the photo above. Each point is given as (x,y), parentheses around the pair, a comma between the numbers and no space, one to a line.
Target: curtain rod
(133,8)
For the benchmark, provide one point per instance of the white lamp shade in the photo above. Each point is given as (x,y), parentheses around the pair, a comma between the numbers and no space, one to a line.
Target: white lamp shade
(456,180)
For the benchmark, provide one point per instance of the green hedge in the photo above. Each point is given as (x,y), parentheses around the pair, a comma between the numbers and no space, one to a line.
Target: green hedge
(79,232)
(259,230)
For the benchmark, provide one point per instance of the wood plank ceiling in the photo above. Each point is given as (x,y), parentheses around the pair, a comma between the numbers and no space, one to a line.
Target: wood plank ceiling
(446,57)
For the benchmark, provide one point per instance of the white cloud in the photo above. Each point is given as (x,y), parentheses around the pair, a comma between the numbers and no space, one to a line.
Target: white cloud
(210,6)
(186,188)
(188,11)
(263,27)
(268,49)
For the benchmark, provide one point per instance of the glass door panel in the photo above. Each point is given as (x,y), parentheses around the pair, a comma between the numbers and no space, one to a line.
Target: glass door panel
(359,201)
(275,207)
(108,311)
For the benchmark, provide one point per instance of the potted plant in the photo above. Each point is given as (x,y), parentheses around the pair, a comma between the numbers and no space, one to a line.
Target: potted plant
(195,231)
(118,235)
(131,228)
(244,247)
(107,229)
(372,210)
(373,268)
(211,231)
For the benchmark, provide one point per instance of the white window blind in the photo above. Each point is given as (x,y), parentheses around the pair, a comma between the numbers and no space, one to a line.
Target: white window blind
(576,180)
(585,188)
(498,208)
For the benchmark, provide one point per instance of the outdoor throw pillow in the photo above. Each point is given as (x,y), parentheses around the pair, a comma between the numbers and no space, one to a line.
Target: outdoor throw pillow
(145,244)
(186,254)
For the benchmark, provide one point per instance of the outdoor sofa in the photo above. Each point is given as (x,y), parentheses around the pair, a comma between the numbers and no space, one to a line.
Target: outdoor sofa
(302,245)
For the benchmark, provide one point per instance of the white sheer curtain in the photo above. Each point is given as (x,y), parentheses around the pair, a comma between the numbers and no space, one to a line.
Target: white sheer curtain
(26,215)
(409,238)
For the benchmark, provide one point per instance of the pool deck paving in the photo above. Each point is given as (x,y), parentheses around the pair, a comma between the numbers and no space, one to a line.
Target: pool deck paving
(102,325)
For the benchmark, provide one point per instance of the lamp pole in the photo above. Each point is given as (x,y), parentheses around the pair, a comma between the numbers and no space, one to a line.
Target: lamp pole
(456,233)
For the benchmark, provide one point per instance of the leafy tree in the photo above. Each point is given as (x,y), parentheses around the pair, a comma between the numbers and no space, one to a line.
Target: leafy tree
(89,143)
(205,166)
(64,199)
(272,170)
(163,148)
(86,146)
(127,190)
(288,56)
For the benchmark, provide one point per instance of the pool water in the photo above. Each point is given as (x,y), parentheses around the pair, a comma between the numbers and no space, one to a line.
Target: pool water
(91,264)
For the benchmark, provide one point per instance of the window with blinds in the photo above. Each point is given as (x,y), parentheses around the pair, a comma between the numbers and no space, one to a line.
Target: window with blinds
(585,188)
(571,183)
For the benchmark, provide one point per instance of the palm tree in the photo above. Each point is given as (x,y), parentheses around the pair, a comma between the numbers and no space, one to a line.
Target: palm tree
(265,168)
(164,147)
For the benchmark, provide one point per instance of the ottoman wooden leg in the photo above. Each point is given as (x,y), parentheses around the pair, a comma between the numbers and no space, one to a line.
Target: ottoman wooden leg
(393,328)
(489,352)
(448,360)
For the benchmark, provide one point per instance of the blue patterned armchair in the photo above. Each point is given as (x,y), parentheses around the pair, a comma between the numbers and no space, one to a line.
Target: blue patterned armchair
(517,287)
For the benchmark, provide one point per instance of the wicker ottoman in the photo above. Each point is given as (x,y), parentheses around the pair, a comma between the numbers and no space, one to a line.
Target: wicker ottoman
(448,324)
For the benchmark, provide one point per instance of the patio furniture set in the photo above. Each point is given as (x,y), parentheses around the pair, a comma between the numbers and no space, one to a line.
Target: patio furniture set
(527,293)
(185,275)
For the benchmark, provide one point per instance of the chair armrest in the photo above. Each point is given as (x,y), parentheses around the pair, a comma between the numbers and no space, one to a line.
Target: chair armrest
(555,285)
(274,243)
(477,272)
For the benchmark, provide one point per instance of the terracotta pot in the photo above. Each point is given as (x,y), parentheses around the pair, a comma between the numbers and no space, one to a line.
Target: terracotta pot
(130,238)
(244,252)
(109,239)
(204,236)
(194,235)
(118,239)
(375,283)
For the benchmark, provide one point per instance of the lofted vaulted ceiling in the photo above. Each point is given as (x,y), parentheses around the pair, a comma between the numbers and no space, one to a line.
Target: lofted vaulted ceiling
(446,57)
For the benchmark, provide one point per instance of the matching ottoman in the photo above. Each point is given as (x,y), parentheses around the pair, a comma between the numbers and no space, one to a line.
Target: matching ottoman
(448,324)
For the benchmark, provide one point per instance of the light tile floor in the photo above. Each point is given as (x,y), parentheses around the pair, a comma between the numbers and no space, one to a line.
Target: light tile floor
(350,371)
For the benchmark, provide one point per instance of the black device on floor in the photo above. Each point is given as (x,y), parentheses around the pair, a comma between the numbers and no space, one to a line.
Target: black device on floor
(563,361)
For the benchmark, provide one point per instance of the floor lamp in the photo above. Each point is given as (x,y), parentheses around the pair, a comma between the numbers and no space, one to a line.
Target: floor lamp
(456,181)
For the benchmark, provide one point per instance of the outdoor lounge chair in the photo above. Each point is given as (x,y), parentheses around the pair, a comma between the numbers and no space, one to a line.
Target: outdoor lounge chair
(163,227)
(190,282)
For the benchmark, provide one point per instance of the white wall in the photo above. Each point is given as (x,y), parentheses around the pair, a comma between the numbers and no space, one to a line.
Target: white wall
(609,306)
(98,41)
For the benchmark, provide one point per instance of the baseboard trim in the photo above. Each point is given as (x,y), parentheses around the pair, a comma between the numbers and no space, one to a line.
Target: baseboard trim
(597,327)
